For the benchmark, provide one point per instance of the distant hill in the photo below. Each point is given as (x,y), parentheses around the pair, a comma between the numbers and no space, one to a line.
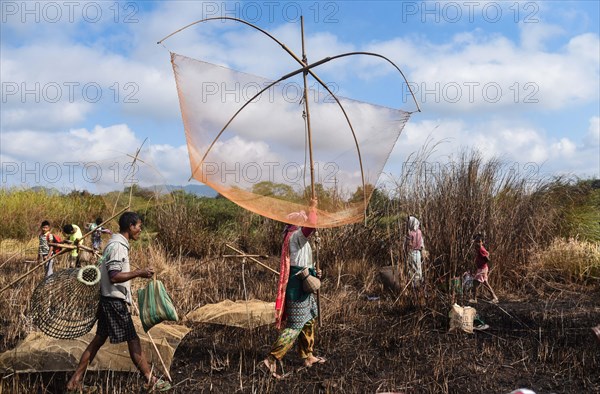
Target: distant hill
(199,190)
(51,191)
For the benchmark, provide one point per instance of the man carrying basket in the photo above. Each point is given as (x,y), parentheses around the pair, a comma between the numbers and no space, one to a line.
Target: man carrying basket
(114,318)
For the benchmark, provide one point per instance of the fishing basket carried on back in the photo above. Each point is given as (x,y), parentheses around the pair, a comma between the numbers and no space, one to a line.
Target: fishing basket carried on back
(65,304)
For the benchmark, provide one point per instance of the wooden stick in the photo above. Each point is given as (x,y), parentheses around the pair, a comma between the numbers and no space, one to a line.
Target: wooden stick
(9,259)
(258,262)
(253,259)
(33,269)
(155,348)
(66,248)
(63,246)
(310,154)
(72,247)
(133,169)
(246,255)
(106,221)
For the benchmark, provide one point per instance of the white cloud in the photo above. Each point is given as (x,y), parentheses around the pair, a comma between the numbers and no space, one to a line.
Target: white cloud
(470,71)
(517,145)
(593,134)
(564,148)
(559,77)
(87,80)
(535,35)
(69,157)
(76,144)
(491,72)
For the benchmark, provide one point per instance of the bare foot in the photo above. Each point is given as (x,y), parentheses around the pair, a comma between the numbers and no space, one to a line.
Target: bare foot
(272,367)
(597,331)
(314,360)
(73,385)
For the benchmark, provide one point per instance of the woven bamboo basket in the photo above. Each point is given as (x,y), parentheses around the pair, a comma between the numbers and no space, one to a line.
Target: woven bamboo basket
(65,304)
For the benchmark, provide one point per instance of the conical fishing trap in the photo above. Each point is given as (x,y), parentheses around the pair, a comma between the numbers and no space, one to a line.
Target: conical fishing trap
(65,304)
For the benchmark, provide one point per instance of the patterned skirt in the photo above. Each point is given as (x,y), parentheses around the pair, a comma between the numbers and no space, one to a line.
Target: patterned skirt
(300,312)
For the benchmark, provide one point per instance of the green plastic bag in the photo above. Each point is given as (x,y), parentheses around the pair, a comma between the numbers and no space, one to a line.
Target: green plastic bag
(155,305)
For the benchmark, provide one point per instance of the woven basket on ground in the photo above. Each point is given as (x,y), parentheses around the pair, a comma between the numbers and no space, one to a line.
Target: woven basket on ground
(65,304)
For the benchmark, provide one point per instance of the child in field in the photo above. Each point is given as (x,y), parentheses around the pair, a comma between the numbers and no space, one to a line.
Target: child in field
(45,250)
(414,246)
(73,232)
(97,234)
(482,258)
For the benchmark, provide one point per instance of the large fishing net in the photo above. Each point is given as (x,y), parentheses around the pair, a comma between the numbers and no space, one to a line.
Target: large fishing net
(244,314)
(39,353)
(65,304)
(260,160)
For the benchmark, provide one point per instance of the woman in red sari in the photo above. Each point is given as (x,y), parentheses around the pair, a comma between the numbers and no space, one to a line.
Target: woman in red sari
(295,307)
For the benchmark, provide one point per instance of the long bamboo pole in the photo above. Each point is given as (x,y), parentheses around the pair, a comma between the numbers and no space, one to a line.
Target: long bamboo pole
(33,269)
(261,264)
(106,221)
(251,258)
(66,248)
(245,255)
(310,153)
(166,371)
(135,158)
(9,259)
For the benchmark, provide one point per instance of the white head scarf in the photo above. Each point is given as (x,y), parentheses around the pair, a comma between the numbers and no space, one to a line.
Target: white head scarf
(413,223)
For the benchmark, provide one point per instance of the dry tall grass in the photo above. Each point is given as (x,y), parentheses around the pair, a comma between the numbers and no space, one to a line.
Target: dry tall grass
(516,213)
(375,341)
(568,260)
(23,211)
(373,344)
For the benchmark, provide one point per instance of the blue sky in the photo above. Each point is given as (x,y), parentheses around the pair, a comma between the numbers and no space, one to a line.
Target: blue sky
(56,59)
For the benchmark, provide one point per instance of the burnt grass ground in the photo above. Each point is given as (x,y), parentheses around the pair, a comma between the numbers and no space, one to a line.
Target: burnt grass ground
(539,338)
(541,343)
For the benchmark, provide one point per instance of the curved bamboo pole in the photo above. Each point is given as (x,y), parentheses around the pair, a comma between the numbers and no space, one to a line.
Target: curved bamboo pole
(284,48)
(166,371)
(301,62)
(283,78)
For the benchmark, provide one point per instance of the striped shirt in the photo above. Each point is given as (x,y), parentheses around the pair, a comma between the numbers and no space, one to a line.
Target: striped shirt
(44,248)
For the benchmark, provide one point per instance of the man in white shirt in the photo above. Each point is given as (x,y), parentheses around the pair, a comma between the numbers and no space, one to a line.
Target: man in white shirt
(114,318)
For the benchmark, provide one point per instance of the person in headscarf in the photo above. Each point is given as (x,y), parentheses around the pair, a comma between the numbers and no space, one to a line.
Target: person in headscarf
(414,246)
(295,309)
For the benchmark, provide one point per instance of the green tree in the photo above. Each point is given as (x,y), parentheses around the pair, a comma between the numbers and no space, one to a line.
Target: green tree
(278,190)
